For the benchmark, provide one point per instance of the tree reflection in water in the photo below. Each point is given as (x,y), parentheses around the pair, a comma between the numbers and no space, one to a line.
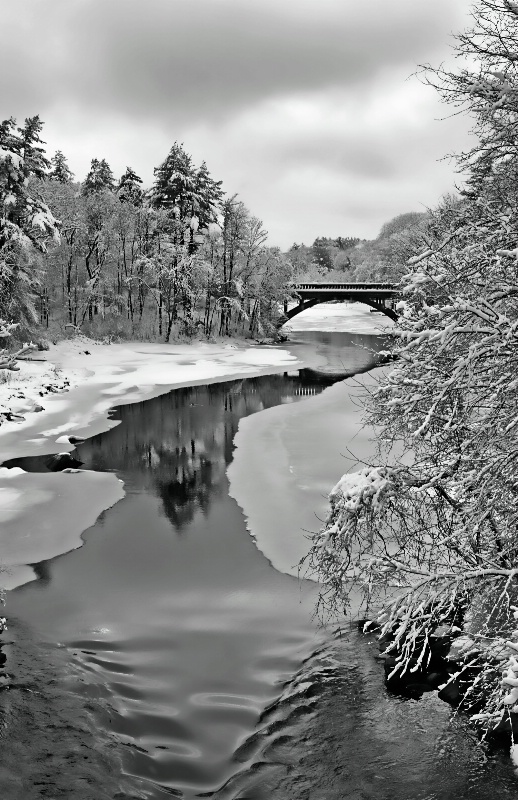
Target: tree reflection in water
(179,445)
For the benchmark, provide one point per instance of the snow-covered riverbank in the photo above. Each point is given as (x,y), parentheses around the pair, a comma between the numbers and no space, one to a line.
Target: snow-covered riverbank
(69,391)
(44,515)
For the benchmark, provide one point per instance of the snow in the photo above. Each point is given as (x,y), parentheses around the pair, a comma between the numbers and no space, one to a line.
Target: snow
(354,489)
(16,160)
(101,376)
(44,515)
(298,468)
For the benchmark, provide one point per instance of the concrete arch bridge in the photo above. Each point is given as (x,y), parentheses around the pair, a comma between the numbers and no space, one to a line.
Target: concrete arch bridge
(379,296)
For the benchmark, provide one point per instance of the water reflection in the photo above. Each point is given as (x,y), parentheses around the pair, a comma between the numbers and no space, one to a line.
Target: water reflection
(178,446)
(181,639)
(340,355)
(178,642)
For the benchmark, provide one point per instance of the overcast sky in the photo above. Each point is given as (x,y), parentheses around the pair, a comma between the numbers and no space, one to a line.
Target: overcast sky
(305,108)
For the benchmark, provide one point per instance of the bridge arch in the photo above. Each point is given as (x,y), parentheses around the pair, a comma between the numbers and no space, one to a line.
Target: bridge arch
(374,295)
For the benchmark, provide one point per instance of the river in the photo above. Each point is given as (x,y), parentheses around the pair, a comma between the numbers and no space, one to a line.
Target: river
(175,654)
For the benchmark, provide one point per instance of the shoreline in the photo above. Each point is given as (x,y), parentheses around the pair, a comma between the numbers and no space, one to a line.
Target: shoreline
(43,515)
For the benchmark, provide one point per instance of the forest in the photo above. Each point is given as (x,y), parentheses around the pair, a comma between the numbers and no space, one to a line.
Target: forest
(180,259)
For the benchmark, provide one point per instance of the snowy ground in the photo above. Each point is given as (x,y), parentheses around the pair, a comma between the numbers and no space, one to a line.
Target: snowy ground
(44,515)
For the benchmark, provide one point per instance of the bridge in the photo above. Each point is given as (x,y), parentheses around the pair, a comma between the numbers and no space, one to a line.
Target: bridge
(378,296)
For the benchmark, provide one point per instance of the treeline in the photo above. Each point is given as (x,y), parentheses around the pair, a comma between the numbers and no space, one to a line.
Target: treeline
(350,259)
(181,258)
(112,259)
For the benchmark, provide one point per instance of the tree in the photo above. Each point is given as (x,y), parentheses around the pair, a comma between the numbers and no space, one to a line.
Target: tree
(60,170)
(401,223)
(322,255)
(209,196)
(346,242)
(432,536)
(174,188)
(26,222)
(129,188)
(98,178)
(8,360)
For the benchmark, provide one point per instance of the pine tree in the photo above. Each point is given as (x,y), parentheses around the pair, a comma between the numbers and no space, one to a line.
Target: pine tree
(209,196)
(129,189)
(60,170)
(174,188)
(100,177)
(30,147)
(25,219)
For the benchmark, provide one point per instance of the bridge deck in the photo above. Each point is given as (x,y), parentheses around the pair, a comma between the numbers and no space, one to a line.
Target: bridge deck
(344,290)
(375,295)
(359,286)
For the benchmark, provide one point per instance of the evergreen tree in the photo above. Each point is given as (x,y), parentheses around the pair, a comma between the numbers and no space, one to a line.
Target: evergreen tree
(321,255)
(346,242)
(25,220)
(30,147)
(60,170)
(209,196)
(100,177)
(129,189)
(175,188)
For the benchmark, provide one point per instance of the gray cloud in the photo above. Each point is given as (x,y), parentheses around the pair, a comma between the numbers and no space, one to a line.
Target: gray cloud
(176,60)
(301,106)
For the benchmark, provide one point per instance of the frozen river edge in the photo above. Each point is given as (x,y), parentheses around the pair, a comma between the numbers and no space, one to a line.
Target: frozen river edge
(44,515)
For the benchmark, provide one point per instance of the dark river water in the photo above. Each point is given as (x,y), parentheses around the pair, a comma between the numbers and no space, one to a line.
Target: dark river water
(167,657)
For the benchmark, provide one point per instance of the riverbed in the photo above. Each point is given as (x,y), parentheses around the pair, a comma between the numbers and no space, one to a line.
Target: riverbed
(175,653)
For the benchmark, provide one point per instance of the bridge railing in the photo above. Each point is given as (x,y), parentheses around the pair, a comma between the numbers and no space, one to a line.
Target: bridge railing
(343,286)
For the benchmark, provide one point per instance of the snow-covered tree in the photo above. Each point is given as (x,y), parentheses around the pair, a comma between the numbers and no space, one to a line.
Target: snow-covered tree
(431,536)
(99,177)
(174,188)
(23,218)
(60,171)
(129,188)
(209,196)
(26,223)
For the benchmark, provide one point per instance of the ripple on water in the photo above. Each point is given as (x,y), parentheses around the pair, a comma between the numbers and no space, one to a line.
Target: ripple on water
(178,632)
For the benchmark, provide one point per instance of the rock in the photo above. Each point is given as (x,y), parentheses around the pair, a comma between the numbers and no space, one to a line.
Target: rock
(451,694)
(367,625)
(37,407)
(61,461)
